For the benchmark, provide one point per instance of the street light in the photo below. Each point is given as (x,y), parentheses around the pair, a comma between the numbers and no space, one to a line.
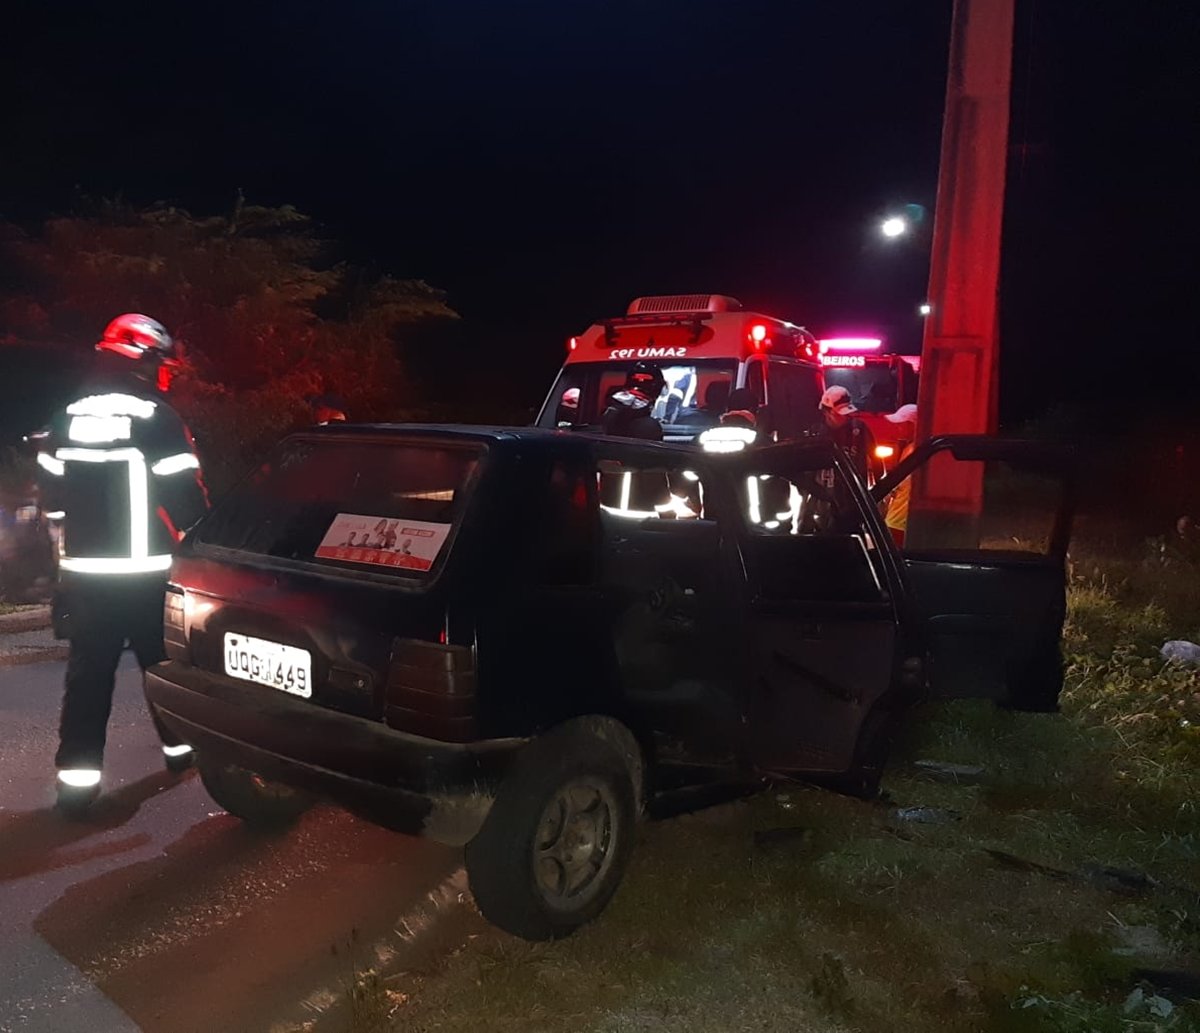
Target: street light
(895,226)
(925,308)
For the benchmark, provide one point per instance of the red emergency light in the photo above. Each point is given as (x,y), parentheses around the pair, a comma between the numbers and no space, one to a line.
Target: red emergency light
(851,344)
(783,339)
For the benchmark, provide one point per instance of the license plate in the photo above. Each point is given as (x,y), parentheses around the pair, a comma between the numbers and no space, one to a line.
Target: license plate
(269,663)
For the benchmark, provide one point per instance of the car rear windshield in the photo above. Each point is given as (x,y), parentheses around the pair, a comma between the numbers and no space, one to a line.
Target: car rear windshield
(694,395)
(367,505)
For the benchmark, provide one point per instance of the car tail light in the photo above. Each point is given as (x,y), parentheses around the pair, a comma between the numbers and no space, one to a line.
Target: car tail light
(174,634)
(431,689)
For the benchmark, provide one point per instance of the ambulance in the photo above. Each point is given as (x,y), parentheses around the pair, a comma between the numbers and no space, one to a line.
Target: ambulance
(879,383)
(707,346)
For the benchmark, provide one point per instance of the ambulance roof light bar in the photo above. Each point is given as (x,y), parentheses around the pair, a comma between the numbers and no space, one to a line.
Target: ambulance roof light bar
(851,344)
(694,319)
(675,304)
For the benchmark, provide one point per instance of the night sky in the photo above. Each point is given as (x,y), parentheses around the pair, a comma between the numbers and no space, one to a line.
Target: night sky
(546,162)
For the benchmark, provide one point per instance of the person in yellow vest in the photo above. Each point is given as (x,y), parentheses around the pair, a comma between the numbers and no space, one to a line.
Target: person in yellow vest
(896,516)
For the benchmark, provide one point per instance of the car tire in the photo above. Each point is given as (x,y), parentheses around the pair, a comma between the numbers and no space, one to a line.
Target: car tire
(257,801)
(871,752)
(557,840)
(1035,683)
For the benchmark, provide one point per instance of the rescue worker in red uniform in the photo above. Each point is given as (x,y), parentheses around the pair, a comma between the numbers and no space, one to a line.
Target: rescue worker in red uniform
(120,464)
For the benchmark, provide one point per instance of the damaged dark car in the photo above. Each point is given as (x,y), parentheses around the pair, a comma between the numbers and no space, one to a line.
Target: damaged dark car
(518,640)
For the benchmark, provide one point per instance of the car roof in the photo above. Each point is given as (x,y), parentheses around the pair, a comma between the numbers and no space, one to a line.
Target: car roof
(549,440)
(484,434)
(449,430)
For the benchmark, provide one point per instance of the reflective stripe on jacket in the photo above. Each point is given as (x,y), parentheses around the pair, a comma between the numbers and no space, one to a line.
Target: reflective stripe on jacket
(120,464)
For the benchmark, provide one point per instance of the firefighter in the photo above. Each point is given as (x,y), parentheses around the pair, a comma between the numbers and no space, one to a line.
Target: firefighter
(850,434)
(629,415)
(120,464)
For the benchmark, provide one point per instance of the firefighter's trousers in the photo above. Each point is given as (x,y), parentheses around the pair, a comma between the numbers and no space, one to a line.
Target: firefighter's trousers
(100,614)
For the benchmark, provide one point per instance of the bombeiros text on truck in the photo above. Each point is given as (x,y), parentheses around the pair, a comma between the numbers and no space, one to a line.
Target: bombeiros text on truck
(880,383)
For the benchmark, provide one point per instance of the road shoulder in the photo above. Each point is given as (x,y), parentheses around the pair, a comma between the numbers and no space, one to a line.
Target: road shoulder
(26,637)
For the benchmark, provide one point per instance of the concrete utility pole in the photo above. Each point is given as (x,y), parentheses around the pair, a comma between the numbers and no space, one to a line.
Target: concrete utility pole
(960,356)
(961,350)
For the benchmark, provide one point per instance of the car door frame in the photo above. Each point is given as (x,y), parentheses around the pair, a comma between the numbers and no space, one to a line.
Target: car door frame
(985,447)
(942,630)
(892,691)
(673,720)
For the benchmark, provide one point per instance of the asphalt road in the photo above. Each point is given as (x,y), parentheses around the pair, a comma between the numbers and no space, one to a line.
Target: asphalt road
(162,913)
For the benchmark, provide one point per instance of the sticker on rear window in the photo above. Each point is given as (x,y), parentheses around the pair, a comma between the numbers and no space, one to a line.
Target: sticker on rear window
(383,541)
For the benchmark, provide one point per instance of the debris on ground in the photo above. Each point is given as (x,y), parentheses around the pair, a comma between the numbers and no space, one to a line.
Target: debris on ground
(1181,651)
(1020,864)
(949,772)
(1102,877)
(1141,941)
(927,815)
(1139,1000)
(1117,880)
(798,835)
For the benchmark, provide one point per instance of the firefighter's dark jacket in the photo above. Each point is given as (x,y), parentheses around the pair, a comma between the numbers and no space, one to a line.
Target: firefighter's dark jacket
(121,466)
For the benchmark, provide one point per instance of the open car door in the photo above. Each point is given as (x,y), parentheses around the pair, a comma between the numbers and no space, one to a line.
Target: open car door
(982,526)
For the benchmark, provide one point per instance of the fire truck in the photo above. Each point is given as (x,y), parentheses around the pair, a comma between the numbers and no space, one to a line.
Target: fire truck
(879,383)
(707,346)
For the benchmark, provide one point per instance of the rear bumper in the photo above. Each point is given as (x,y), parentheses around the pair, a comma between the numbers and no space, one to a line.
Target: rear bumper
(404,781)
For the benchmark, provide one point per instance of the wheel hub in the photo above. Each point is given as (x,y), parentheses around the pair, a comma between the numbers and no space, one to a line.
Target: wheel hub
(574,847)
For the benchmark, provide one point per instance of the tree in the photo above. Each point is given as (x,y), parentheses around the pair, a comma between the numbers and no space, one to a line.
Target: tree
(266,320)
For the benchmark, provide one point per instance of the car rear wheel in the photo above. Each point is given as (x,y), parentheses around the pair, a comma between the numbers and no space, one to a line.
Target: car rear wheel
(557,840)
(871,753)
(257,801)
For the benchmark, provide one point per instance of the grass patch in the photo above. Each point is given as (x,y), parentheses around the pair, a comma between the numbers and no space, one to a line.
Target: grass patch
(1011,915)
